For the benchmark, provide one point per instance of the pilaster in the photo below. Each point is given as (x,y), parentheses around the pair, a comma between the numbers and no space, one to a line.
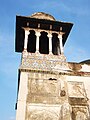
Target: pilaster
(22,96)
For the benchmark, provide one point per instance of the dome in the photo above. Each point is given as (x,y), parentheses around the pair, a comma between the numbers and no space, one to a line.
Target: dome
(42,15)
(86,61)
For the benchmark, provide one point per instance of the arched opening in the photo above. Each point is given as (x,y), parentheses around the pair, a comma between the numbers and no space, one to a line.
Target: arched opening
(44,43)
(55,44)
(31,46)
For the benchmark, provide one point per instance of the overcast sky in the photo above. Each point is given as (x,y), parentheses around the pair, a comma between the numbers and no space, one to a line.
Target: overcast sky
(76,49)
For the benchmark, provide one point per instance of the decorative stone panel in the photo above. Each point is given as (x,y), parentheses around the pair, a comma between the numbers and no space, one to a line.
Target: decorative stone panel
(77,93)
(43,112)
(43,91)
(80,113)
(43,62)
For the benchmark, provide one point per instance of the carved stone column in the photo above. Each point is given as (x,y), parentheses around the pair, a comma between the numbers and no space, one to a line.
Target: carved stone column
(66,111)
(50,43)
(61,44)
(37,41)
(26,39)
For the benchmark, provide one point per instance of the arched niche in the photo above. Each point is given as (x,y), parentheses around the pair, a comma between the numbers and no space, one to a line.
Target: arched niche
(31,46)
(44,43)
(55,44)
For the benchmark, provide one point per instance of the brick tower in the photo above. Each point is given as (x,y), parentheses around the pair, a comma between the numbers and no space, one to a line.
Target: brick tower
(45,87)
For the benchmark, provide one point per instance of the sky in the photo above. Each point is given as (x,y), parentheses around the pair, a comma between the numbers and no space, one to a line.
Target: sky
(76,48)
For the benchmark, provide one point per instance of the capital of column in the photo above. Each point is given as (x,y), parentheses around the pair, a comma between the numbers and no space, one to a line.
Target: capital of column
(49,35)
(37,33)
(59,36)
(27,32)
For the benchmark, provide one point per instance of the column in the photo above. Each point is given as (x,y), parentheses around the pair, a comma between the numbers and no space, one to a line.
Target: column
(37,41)
(50,43)
(61,44)
(26,39)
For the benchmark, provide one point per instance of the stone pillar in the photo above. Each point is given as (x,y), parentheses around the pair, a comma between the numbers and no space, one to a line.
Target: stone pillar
(22,96)
(50,43)
(61,44)
(26,39)
(37,41)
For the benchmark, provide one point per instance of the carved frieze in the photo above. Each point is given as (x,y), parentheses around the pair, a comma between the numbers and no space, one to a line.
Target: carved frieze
(80,113)
(76,93)
(43,112)
(44,62)
(66,111)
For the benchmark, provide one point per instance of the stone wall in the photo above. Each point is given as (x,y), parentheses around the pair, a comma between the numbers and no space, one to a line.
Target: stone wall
(55,89)
(59,96)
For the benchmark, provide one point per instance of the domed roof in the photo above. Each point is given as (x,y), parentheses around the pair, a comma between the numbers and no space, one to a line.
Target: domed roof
(42,15)
(86,61)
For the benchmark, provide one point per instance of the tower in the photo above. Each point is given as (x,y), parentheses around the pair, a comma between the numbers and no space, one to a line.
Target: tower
(44,92)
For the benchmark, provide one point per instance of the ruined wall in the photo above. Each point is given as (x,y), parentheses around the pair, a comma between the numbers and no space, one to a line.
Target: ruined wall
(55,96)
(53,89)
(46,96)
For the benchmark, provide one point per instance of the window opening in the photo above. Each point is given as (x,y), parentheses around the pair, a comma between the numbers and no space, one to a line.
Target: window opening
(44,43)
(55,44)
(31,47)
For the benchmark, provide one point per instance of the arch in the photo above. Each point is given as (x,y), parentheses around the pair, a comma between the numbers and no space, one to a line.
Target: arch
(31,46)
(55,44)
(44,43)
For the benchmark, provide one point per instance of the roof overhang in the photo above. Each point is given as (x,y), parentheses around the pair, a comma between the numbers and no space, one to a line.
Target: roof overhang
(22,21)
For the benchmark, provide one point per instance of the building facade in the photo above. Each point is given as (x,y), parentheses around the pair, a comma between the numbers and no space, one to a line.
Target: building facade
(49,87)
